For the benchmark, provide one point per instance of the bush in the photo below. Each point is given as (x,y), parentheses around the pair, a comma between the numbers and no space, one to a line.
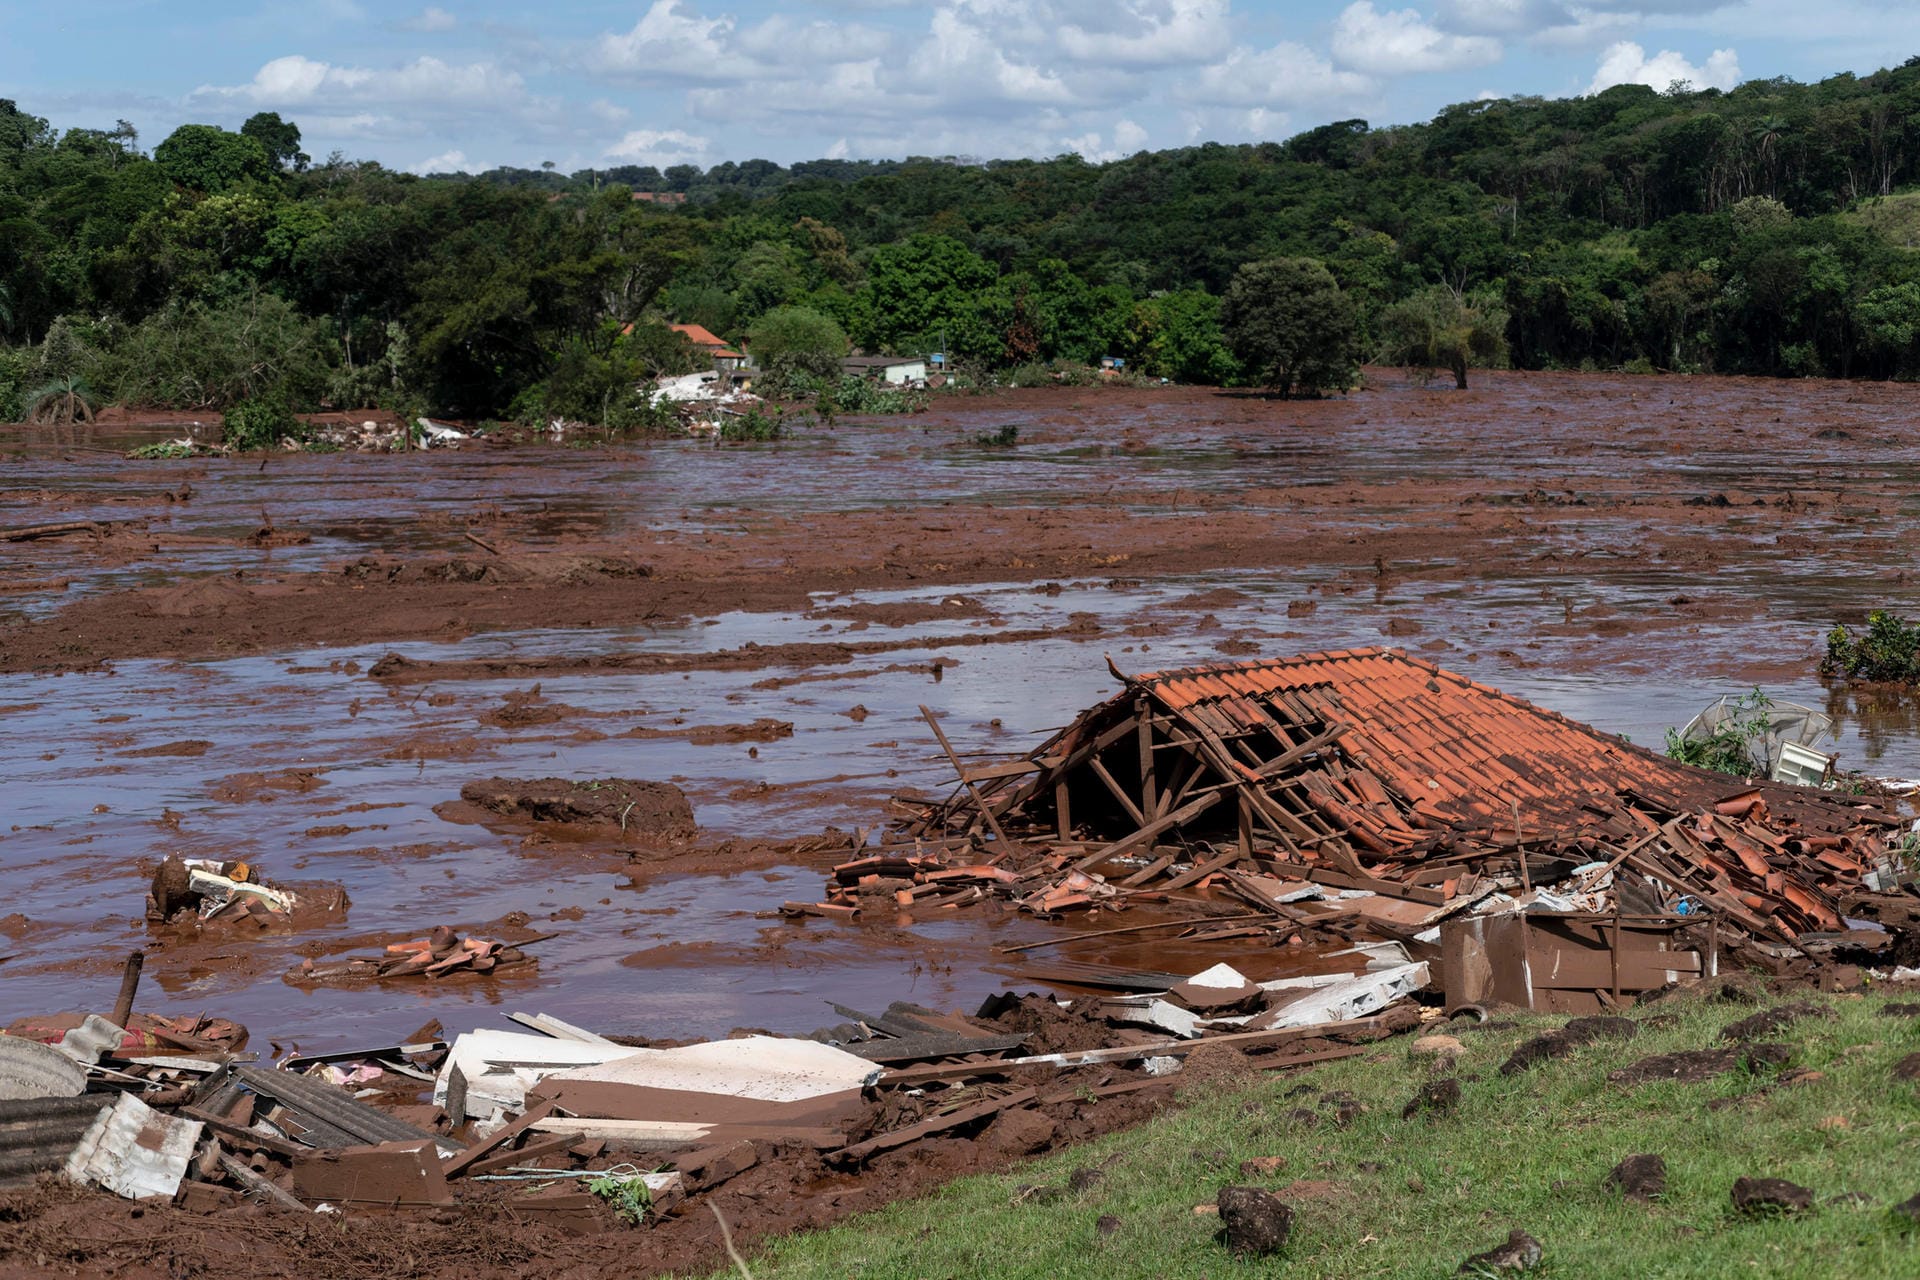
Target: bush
(600,388)
(14,363)
(208,357)
(1889,651)
(869,396)
(261,423)
(1005,438)
(755,426)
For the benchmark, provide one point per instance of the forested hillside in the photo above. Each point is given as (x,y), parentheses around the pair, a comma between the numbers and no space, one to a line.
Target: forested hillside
(1761,230)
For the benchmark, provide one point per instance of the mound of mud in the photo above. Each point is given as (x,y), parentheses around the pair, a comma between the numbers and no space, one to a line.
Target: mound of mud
(631,805)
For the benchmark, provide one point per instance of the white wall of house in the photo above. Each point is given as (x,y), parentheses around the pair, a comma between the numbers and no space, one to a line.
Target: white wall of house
(915,371)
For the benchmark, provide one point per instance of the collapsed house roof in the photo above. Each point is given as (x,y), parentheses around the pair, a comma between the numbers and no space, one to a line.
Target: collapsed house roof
(1383,769)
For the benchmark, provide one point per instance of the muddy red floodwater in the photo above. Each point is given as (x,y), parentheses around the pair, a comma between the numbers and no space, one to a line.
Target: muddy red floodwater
(1623,550)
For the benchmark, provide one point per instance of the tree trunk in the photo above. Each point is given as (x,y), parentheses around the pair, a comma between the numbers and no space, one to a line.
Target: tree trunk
(1460,375)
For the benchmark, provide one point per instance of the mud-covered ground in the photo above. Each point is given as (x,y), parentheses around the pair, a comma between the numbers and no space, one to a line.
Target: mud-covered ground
(303,660)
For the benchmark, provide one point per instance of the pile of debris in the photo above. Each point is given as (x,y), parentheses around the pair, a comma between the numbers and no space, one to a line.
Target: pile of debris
(580,1131)
(1370,797)
(703,401)
(437,955)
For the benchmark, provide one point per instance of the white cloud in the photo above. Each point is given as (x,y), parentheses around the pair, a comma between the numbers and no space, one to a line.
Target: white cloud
(965,58)
(1149,33)
(1401,41)
(432,19)
(667,42)
(1285,75)
(296,81)
(1128,138)
(454,161)
(1628,63)
(658,147)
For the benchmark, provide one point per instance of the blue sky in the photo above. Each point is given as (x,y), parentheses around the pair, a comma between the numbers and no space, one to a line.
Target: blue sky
(474,83)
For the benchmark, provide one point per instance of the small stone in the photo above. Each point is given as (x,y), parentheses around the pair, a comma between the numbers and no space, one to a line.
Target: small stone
(1642,1177)
(1436,1046)
(1086,1177)
(1106,1224)
(1206,1211)
(1262,1166)
(1759,1196)
(1254,1223)
(1437,1098)
(1521,1252)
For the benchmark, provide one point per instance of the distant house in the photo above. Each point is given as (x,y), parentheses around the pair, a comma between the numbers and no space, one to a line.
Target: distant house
(661,197)
(725,358)
(894,369)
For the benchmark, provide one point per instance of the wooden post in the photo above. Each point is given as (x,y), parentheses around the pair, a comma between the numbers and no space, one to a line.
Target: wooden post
(1616,948)
(1246,826)
(1143,714)
(1062,810)
(961,772)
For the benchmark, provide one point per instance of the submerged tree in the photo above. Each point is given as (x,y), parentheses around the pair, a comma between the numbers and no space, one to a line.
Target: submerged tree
(1441,328)
(1291,327)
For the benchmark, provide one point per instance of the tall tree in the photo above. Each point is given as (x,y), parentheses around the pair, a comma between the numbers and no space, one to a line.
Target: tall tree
(1291,327)
(1440,328)
(280,139)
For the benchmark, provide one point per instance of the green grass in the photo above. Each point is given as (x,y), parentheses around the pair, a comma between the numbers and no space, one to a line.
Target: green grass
(1530,1151)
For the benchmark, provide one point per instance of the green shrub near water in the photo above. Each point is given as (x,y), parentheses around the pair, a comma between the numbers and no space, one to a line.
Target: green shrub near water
(261,423)
(1737,747)
(1888,650)
(755,426)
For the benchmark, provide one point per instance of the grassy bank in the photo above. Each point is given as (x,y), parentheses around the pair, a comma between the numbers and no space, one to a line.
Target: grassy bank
(1386,1196)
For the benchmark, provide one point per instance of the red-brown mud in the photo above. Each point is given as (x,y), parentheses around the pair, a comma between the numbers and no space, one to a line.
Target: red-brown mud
(356,639)
(1556,479)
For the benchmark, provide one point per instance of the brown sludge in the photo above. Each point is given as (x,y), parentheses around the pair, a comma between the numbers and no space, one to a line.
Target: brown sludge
(1241,813)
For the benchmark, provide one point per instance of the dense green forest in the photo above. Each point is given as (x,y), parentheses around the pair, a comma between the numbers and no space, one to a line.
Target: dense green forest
(1760,230)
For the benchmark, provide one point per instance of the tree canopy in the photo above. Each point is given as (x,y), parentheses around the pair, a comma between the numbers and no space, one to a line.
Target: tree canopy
(1290,326)
(1771,229)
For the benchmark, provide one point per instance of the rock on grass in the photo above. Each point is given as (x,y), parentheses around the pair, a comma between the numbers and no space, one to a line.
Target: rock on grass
(1759,1197)
(1437,1098)
(1764,1024)
(1521,1252)
(1253,1222)
(1558,1044)
(1642,1177)
(1691,1066)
